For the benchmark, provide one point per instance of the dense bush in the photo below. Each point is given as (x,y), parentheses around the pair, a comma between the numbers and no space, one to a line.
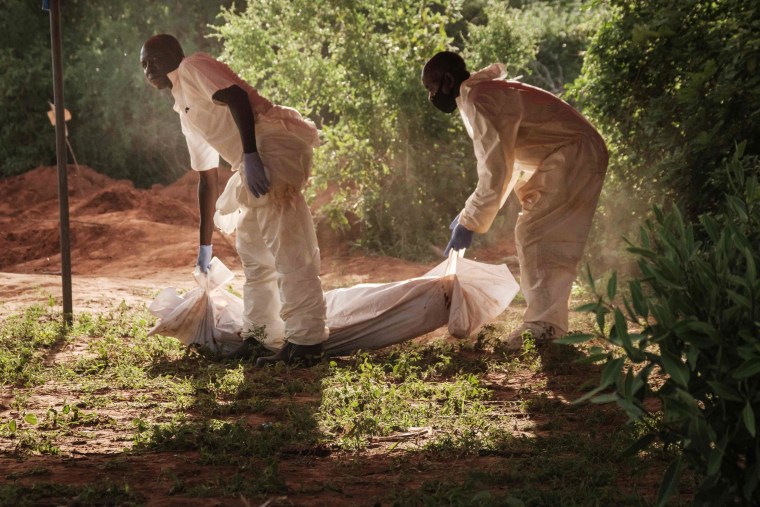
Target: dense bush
(355,69)
(544,42)
(120,125)
(697,304)
(393,161)
(26,136)
(675,84)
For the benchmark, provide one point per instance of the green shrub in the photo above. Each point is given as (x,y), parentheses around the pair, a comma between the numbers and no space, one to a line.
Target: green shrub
(394,163)
(697,303)
(675,85)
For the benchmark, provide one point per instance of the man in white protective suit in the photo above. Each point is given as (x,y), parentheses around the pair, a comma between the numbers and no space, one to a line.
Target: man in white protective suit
(270,148)
(529,140)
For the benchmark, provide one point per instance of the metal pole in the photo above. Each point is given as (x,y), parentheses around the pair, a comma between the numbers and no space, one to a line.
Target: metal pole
(60,152)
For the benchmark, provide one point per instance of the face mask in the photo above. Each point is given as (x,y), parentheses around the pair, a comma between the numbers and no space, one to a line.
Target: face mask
(446,102)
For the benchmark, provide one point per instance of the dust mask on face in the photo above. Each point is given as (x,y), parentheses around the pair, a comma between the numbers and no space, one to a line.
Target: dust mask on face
(446,102)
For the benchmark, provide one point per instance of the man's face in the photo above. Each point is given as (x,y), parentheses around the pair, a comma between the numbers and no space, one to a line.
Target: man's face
(441,93)
(157,63)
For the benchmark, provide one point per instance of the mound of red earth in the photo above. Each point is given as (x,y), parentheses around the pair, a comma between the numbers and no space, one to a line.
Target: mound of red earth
(114,227)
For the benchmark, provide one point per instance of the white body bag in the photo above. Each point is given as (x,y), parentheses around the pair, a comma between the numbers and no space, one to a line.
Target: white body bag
(459,293)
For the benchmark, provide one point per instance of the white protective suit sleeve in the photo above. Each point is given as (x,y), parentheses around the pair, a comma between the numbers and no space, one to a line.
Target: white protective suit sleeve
(492,116)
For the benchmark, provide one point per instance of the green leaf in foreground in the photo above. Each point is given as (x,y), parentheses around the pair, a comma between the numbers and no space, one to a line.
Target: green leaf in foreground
(669,482)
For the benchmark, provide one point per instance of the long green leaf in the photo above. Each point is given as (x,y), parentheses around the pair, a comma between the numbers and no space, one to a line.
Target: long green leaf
(593,358)
(639,445)
(669,482)
(611,372)
(612,286)
(738,206)
(587,307)
(749,419)
(631,311)
(604,398)
(724,391)
(633,411)
(642,252)
(621,330)
(700,327)
(588,395)
(739,299)
(751,267)
(711,226)
(714,460)
(637,297)
(675,368)
(747,369)
(600,318)
(590,278)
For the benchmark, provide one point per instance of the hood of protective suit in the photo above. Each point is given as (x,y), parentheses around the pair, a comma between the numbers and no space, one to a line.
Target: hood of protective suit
(493,71)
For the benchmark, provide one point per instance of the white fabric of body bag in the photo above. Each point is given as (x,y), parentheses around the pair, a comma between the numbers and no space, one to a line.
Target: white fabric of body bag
(459,293)
(207,316)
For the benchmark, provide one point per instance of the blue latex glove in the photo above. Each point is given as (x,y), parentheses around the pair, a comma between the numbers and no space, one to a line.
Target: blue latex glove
(204,257)
(461,237)
(257,180)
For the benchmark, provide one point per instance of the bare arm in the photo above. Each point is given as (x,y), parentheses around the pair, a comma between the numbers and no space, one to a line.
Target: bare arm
(208,191)
(237,100)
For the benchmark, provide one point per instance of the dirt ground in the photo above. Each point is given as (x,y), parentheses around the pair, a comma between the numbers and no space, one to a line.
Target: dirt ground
(126,245)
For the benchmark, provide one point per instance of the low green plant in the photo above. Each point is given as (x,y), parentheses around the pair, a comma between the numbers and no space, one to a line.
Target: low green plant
(25,339)
(697,304)
(227,442)
(373,399)
(104,493)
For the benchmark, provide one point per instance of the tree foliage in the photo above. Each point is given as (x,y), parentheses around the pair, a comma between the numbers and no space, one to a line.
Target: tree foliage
(26,137)
(542,41)
(675,84)
(120,125)
(399,166)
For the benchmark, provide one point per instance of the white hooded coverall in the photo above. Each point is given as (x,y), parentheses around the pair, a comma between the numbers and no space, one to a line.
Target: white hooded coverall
(531,141)
(275,236)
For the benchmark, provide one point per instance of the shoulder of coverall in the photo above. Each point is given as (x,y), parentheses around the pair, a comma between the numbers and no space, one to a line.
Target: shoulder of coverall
(482,83)
(538,97)
(207,64)
(494,97)
(197,62)
(493,71)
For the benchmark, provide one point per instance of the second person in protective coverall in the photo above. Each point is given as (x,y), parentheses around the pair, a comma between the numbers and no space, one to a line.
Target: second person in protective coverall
(270,149)
(531,141)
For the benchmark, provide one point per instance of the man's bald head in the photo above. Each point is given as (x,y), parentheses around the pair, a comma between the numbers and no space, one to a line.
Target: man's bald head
(160,55)
(165,42)
(443,62)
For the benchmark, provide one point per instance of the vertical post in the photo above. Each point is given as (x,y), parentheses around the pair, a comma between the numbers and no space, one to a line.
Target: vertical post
(60,152)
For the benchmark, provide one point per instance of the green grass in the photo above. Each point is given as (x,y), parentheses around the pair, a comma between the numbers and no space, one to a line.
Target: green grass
(460,423)
(47,494)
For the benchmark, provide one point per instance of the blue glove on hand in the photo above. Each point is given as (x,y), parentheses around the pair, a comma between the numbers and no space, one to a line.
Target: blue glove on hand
(257,180)
(204,257)
(461,237)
